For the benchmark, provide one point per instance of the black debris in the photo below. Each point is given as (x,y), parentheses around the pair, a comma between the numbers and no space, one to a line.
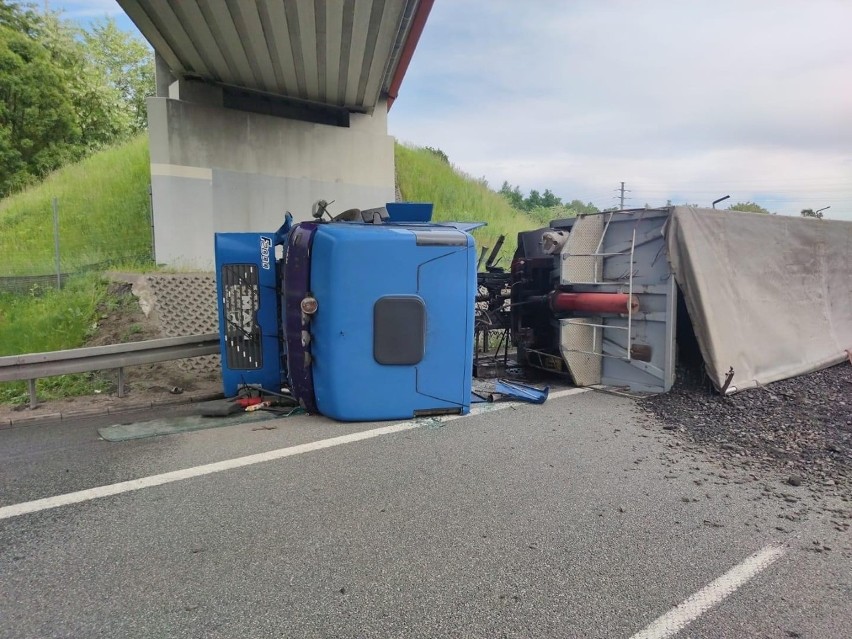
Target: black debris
(801,427)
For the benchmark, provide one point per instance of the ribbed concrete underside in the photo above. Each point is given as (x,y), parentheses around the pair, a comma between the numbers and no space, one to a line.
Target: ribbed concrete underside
(341,52)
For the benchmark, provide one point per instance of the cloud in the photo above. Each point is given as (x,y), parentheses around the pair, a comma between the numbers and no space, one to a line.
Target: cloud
(680,100)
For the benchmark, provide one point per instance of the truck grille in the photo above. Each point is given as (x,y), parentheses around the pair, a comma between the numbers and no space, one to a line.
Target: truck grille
(241,300)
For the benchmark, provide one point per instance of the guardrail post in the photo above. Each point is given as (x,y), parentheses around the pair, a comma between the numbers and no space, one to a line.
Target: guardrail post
(121,382)
(31,385)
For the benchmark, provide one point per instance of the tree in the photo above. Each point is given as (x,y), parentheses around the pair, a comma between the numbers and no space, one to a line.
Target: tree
(533,200)
(38,122)
(513,195)
(20,18)
(749,207)
(584,209)
(812,213)
(545,206)
(549,200)
(64,92)
(101,117)
(125,65)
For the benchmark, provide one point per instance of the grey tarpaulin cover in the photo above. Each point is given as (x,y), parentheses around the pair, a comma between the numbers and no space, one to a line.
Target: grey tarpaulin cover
(769,295)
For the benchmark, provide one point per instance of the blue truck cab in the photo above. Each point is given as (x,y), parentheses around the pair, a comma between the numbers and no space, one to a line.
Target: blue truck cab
(372,321)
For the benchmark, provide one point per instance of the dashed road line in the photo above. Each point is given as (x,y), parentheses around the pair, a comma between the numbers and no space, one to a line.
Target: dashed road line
(689,610)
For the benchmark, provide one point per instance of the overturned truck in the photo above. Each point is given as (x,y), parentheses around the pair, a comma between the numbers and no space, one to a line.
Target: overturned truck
(370,314)
(606,297)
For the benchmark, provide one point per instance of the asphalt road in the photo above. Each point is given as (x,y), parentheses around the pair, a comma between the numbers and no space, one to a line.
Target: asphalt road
(571,519)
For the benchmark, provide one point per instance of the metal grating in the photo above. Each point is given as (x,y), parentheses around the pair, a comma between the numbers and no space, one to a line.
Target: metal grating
(578,262)
(580,344)
(183,304)
(241,300)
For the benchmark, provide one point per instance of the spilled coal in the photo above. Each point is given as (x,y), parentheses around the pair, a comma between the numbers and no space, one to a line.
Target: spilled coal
(801,427)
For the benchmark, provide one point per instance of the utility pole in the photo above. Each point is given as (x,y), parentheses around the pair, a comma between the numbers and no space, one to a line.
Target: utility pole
(621,197)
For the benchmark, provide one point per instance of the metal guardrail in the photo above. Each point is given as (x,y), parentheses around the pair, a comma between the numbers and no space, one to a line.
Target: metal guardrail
(34,366)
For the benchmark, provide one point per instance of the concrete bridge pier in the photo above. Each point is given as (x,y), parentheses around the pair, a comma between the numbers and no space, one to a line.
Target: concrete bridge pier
(228,159)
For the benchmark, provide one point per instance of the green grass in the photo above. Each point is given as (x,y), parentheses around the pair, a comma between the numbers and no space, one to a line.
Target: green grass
(51,320)
(424,177)
(103,214)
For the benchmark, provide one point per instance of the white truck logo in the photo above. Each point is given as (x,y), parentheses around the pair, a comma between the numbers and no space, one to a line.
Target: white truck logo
(265,248)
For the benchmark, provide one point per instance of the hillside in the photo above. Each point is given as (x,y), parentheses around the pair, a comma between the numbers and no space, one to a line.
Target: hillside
(103,207)
(425,177)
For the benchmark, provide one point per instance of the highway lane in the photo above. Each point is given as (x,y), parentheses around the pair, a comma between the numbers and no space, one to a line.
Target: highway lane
(572,519)
(63,456)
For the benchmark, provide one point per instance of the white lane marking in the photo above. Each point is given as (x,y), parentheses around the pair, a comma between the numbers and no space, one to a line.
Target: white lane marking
(24,508)
(688,611)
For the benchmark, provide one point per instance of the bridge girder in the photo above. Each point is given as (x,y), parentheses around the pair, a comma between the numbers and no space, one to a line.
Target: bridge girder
(345,53)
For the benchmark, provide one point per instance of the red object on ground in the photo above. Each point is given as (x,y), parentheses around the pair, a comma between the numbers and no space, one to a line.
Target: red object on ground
(561,302)
(245,402)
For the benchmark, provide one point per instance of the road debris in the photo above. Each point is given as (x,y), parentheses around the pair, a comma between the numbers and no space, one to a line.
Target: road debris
(799,427)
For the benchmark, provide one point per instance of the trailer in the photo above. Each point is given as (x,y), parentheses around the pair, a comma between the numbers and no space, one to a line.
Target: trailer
(593,297)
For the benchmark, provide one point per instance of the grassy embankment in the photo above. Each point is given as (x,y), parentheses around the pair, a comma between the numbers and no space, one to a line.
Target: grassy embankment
(103,219)
(424,177)
(52,320)
(103,212)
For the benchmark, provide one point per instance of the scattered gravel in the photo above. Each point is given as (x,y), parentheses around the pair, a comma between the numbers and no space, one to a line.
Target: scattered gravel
(801,427)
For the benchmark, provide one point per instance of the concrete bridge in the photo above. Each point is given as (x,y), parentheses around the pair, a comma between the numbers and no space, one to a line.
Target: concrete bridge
(264,106)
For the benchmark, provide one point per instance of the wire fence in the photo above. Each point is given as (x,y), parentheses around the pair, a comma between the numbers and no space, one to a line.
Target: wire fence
(46,240)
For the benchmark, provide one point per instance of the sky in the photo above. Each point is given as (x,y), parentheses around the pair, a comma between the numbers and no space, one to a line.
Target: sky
(684,101)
